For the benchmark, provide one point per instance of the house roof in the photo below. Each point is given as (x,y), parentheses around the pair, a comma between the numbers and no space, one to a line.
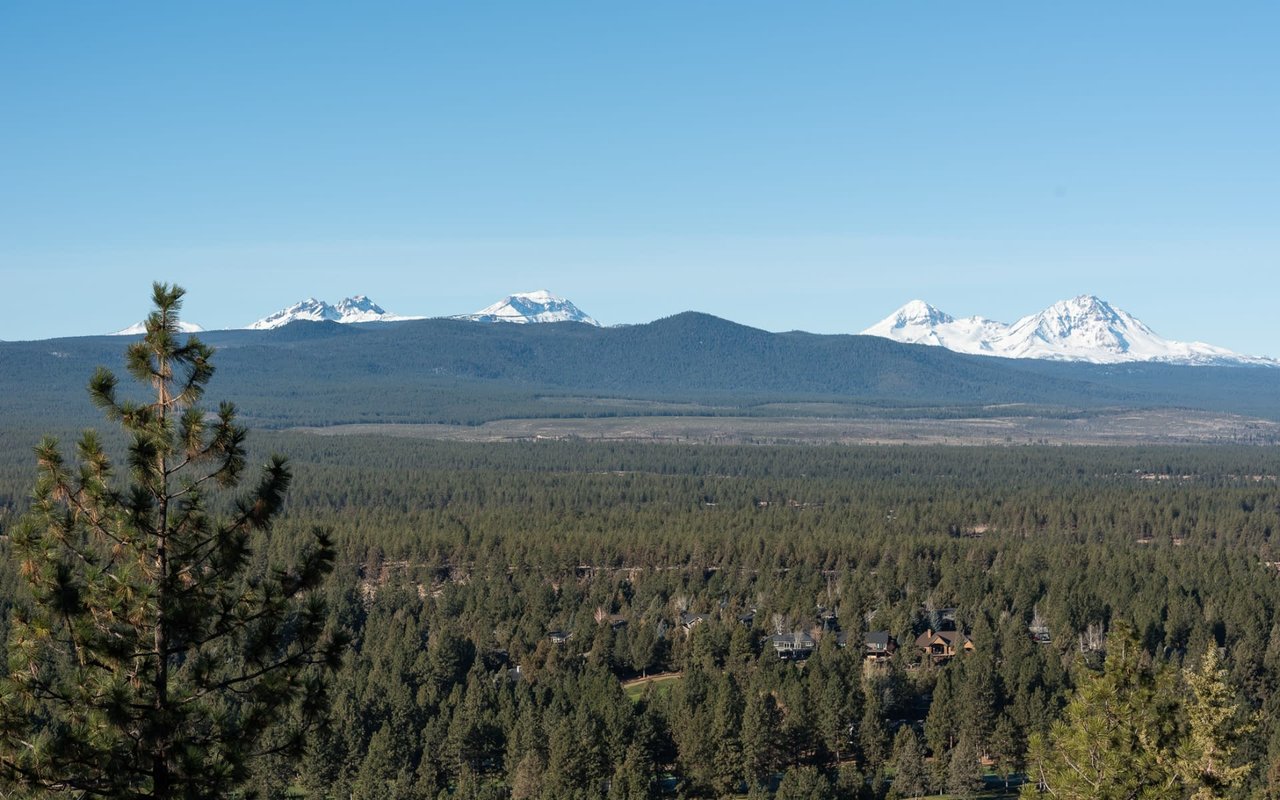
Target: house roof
(878,639)
(952,638)
(797,639)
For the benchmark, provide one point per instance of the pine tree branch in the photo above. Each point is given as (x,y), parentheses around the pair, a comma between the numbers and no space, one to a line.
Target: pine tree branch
(298,660)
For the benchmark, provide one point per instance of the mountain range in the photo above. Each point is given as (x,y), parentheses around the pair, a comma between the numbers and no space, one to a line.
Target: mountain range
(530,307)
(1084,328)
(349,310)
(521,307)
(455,371)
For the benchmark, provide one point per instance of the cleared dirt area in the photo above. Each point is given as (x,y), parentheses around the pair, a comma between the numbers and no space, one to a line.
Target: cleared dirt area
(1160,426)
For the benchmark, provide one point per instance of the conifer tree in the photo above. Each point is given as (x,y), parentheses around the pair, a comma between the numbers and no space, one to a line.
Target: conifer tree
(910,775)
(941,725)
(872,736)
(978,698)
(152,657)
(526,780)
(725,736)
(381,773)
(1007,748)
(964,772)
(1208,761)
(803,783)
(633,779)
(761,734)
(837,709)
(1113,741)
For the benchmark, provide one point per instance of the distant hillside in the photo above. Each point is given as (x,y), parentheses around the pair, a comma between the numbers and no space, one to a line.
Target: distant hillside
(316,373)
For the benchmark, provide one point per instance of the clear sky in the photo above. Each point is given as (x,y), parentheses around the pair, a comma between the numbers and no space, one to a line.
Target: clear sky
(786,165)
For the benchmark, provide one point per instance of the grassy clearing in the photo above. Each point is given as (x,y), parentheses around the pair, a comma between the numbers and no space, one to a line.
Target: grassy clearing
(662,683)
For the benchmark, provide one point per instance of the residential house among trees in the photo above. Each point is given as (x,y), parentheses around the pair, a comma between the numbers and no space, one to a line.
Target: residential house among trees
(876,645)
(690,621)
(879,645)
(793,646)
(941,645)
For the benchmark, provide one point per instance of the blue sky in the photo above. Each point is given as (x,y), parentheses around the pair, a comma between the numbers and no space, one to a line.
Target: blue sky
(802,165)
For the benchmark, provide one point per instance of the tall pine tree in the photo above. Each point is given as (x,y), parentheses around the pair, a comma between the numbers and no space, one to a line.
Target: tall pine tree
(910,775)
(154,657)
(1114,740)
(1208,759)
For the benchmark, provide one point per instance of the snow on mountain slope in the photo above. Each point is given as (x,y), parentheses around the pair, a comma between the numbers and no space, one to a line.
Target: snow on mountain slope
(361,309)
(351,309)
(141,327)
(1088,329)
(527,307)
(1084,328)
(920,323)
(310,309)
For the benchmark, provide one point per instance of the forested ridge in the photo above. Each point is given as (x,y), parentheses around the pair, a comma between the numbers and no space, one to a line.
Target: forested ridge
(460,372)
(457,563)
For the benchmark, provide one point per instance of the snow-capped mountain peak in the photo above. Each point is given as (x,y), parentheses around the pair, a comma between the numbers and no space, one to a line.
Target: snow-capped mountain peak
(920,323)
(528,307)
(351,309)
(1085,313)
(310,309)
(141,327)
(1084,328)
(359,309)
(919,312)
